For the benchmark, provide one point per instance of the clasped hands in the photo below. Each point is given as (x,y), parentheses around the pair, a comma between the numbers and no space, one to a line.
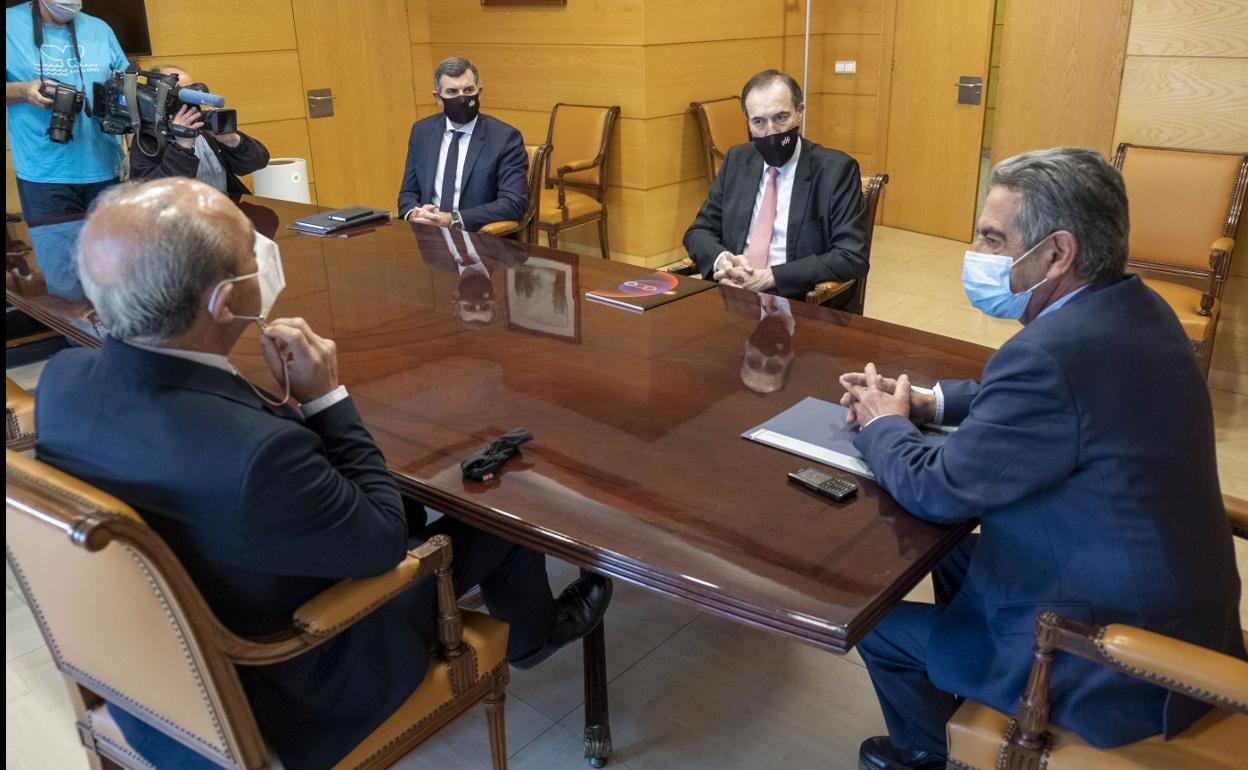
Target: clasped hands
(735,270)
(868,395)
(292,349)
(429,214)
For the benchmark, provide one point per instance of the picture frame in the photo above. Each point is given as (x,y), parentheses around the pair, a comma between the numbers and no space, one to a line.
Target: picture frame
(542,297)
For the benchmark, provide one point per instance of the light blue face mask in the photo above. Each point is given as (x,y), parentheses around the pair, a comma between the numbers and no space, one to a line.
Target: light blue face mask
(986,279)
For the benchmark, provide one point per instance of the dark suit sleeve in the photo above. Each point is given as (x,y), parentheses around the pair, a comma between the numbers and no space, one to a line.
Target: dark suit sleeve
(247,158)
(513,188)
(1022,437)
(410,194)
(704,240)
(845,243)
(318,501)
(173,161)
(957,395)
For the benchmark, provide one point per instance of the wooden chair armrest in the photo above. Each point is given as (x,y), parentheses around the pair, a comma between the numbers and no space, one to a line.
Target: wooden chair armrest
(685,266)
(1209,675)
(577,165)
(338,607)
(504,227)
(827,290)
(1237,514)
(1223,244)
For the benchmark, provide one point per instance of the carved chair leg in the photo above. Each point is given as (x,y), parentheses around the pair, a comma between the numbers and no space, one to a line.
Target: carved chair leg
(552,239)
(602,236)
(497,724)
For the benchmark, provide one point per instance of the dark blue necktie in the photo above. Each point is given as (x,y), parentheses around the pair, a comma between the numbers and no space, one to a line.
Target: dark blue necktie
(450,174)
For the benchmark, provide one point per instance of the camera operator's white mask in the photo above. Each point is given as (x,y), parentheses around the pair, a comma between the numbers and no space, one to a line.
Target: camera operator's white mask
(270,274)
(63,11)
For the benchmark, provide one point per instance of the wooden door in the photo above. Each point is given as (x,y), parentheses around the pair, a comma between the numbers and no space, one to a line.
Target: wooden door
(361,51)
(933,141)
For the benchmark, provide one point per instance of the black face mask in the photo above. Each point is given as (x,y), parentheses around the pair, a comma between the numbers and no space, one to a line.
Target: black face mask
(461,109)
(777,149)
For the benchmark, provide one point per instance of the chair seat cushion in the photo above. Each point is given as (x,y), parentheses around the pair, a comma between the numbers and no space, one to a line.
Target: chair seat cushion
(1185,301)
(486,636)
(578,204)
(1217,741)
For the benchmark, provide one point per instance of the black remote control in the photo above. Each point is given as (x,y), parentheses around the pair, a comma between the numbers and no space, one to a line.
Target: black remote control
(835,487)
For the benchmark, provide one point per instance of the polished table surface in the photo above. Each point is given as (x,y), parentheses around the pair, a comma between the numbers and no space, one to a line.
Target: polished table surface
(637,469)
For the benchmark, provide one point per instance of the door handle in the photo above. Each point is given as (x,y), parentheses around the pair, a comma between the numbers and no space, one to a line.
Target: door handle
(970,89)
(320,103)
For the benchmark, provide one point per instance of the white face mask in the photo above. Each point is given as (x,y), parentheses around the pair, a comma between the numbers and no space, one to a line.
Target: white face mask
(268,272)
(63,11)
(986,279)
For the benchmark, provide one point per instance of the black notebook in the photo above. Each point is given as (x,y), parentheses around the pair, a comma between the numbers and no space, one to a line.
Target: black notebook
(641,294)
(339,219)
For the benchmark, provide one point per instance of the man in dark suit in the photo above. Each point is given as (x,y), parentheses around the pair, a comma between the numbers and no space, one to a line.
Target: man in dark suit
(217,160)
(784,214)
(267,501)
(484,180)
(1086,454)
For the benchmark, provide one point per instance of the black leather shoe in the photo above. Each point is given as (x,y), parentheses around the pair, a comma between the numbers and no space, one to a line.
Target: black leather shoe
(578,610)
(878,753)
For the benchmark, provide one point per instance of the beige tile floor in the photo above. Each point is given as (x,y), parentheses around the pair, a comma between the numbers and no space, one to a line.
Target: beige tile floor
(688,689)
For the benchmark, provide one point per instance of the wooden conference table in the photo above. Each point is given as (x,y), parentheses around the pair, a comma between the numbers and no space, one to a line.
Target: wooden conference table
(637,469)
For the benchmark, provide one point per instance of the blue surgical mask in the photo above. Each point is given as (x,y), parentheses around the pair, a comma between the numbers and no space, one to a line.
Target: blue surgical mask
(64,11)
(986,279)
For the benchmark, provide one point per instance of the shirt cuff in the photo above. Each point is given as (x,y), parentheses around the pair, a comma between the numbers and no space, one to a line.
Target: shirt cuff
(940,405)
(715,267)
(324,402)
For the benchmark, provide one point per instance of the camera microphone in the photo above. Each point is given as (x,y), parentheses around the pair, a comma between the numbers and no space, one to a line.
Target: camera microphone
(201,98)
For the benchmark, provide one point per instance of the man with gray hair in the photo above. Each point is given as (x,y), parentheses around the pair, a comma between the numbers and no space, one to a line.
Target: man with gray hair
(464,169)
(1087,456)
(267,500)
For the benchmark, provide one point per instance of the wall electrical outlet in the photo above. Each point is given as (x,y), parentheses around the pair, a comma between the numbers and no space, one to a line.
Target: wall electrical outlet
(845,67)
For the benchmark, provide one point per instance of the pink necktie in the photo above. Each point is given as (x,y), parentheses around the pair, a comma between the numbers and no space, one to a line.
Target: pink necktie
(764,224)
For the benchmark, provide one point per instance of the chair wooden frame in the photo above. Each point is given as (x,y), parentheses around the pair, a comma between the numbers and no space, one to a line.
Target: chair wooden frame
(527,226)
(19,412)
(873,187)
(712,153)
(598,191)
(216,650)
(1219,253)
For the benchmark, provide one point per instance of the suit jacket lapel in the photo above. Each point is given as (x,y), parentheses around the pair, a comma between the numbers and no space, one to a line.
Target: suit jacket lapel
(474,151)
(740,206)
(433,147)
(797,201)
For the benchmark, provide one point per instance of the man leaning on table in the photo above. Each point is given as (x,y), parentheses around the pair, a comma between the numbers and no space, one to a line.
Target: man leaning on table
(1087,455)
(464,169)
(784,214)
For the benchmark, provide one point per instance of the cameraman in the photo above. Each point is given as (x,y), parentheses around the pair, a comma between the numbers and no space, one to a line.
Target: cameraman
(57,180)
(214,159)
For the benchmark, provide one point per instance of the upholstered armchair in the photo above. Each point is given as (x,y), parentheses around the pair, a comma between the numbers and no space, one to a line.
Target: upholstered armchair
(722,124)
(124,623)
(527,226)
(1184,208)
(576,172)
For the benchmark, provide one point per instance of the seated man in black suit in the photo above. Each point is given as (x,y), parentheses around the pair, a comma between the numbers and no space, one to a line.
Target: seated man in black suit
(267,501)
(486,181)
(214,159)
(784,214)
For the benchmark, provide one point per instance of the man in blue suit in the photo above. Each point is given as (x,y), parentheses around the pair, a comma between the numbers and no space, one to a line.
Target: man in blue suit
(1086,454)
(267,500)
(485,180)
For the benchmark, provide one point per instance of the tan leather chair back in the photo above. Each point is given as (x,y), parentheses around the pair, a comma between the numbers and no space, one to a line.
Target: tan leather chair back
(578,132)
(108,597)
(1180,202)
(722,125)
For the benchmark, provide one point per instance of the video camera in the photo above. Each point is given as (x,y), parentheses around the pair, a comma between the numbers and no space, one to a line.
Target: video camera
(66,103)
(124,104)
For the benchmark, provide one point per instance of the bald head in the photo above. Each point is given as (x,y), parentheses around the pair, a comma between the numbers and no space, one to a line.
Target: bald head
(184,78)
(149,252)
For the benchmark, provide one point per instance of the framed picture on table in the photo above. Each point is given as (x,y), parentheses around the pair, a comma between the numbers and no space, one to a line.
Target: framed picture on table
(543,297)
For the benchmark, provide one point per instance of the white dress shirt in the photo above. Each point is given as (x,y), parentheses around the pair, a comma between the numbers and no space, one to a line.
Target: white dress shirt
(474,265)
(319,404)
(777,252)
(466,130)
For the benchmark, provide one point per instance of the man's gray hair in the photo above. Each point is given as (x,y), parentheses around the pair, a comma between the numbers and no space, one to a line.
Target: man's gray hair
(1069,188)
(157,293)
(454,66)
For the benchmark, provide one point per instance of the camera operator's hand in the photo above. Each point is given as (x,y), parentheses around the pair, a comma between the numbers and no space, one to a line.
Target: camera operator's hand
(26,91)
(229,140)
(188,117)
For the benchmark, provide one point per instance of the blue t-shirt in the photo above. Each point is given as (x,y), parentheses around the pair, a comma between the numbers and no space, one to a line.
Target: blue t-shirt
(91,156)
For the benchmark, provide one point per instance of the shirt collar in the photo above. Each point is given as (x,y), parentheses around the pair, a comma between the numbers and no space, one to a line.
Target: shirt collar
(1063,301)
(465,129)
(214,360)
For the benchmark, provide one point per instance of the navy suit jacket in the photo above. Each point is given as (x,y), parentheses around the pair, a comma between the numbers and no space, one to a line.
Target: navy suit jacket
(826,240)
(1087,454)
(265,510)
(494,187)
